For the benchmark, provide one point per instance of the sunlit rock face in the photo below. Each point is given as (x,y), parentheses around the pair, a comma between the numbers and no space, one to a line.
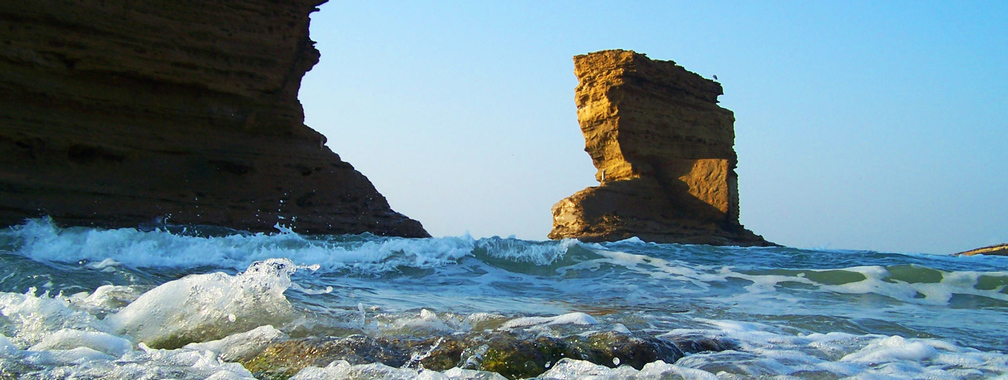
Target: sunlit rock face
(664,153)
(118,113)
(1000,250)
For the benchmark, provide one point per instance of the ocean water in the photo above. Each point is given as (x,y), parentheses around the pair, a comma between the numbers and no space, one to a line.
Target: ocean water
(195,303)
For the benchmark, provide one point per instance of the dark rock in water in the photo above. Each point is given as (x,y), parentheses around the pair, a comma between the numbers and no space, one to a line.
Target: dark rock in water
(664,153)
(119,113)
(515,358)
(511,355)
(999,250)
(692,344)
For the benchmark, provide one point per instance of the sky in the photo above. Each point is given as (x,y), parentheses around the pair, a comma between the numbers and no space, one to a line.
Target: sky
(874,125)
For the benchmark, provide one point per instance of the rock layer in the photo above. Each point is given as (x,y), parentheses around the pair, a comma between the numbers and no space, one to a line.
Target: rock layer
(664,153)
(118,113)
(994,250)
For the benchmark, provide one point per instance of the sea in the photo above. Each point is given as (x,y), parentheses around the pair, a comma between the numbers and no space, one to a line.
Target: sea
(197,302)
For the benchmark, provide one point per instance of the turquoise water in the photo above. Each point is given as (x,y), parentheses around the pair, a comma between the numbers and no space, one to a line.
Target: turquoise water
(90,303)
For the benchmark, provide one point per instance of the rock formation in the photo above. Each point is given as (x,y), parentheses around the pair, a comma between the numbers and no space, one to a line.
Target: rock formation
(994,250)
(664,153)
(119,113)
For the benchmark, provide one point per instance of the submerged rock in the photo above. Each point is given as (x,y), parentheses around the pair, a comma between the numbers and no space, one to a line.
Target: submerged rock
(510,355)
(120,113)
(664,153)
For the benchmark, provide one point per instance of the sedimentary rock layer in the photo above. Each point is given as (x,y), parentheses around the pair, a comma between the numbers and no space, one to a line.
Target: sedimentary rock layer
(997,250)
(118,113)
(664,153)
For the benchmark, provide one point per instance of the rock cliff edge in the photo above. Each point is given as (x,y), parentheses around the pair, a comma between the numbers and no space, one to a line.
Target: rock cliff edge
(119,113)
(664,151)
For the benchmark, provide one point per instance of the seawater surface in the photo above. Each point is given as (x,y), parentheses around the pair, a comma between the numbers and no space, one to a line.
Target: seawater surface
(177,302)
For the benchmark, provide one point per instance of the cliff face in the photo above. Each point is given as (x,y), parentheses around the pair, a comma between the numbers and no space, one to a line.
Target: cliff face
(117,113)
(664,153)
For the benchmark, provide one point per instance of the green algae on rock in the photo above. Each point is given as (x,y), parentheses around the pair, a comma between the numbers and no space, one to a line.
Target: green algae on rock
(511,355)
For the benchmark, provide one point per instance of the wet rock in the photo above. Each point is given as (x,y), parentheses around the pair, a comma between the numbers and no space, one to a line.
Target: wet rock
(511,355)
(692,344)
(283,360)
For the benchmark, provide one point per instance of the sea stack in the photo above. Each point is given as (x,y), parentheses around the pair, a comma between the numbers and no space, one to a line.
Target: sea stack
(122,113)
(664,151)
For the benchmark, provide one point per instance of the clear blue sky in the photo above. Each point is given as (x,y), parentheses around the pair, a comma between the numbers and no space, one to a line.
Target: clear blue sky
(877,125)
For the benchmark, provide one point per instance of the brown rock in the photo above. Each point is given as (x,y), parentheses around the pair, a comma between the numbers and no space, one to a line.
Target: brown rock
(996,250)
(117,113)
(664,153)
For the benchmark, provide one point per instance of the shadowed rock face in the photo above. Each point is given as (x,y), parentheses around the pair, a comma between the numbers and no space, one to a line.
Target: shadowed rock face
(664,153)
(117,113)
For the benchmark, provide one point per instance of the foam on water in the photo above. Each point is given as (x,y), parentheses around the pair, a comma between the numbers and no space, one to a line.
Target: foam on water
(576,318)
(766,350)
(341,369)
(518,251)
(242,345)
(68,339)
(28,319)
(565,369)
(906,283)
(209,306)
(109,296)
(41,240)
(47,337)
(55,336)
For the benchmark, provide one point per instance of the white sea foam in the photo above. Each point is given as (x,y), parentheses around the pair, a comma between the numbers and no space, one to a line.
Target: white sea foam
(145,363)
(471,286)
(52,337)
(106,298)
(427,322)
(341,369)
(30,318)
(764,350)
(575,318)
(67,339)
(242,345)
(697,278)
(209,306)
(569,369)
(105,249)
(539,254)
(563,370)
(873,279)
(6,344)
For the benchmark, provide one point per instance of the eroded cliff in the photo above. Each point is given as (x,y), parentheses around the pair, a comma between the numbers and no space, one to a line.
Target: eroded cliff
(664,151)
(118,113)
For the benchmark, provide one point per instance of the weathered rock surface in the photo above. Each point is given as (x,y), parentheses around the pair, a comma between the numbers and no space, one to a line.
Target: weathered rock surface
(510,355)
(996,250)
(664,151)
(117,113)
